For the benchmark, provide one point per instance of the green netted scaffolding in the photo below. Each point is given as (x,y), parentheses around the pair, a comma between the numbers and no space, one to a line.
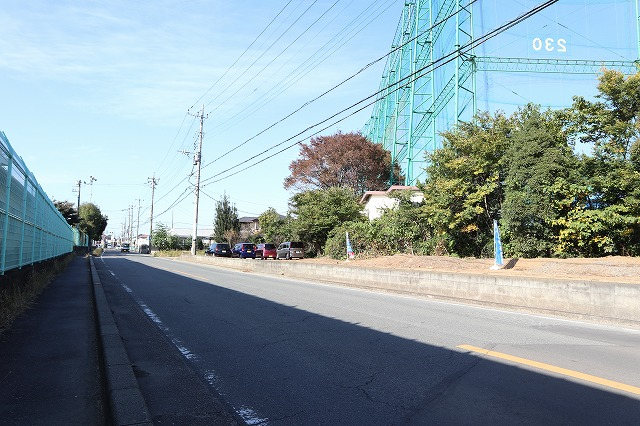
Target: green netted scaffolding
(416,106)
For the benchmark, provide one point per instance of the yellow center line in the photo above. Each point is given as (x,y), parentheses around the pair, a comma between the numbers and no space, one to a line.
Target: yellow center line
(554,369)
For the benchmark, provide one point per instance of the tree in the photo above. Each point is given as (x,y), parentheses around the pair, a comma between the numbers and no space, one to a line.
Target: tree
(226,220)
(92,221)
(605,216)
(274,228)
(346,160)
(318,211)
(67,210)
(160,238)
(463,192)
(538,160)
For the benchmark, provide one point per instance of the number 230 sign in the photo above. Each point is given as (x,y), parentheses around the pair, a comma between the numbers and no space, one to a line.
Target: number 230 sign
(549,44)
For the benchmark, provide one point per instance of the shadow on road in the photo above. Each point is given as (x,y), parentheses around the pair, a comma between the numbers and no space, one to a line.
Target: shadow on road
(300,367)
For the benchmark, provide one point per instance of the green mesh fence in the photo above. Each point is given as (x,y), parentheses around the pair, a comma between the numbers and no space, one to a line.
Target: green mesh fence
(31,228)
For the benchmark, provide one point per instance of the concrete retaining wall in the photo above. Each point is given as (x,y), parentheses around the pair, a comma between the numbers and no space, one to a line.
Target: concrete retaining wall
(612,302)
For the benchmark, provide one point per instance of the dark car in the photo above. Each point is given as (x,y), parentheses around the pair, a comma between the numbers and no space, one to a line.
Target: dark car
(144,249)
(244,250)
(219,250)
(290,250)
(266,251)
(124,247)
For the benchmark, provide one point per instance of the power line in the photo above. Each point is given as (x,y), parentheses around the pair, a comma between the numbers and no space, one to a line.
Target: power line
(253,77)
(441,62)
(241,55)
(262,54)
(187,191)
(311,62)
(309,102)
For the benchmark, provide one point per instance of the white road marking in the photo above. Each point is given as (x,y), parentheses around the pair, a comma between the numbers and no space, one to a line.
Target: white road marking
(249,415)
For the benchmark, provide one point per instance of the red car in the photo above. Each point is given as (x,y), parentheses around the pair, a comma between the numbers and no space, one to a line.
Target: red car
(265,251)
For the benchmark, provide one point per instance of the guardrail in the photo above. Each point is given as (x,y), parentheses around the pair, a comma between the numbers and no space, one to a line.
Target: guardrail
(31,228)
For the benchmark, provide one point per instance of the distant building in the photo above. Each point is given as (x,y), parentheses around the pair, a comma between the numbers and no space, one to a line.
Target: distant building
(185,235)
(249,225)
(376,201)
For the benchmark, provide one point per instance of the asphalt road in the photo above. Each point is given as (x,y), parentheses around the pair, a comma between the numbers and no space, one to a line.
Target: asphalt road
(282,351)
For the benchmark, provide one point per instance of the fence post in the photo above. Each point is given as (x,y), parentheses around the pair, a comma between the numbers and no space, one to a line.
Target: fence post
(6,213)
(35,224)
(24,217)
(40,256)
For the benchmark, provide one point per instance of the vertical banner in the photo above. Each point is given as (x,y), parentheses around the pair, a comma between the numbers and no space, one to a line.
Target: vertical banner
(497,247)
(350,254)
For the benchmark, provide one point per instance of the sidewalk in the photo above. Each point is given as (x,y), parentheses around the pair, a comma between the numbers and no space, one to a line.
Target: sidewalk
(49,360)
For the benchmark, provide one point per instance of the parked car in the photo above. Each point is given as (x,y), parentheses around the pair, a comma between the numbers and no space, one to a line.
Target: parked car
(290,250)
(244,250)
(124,247)
(144,249)
(219,249)
(266,251)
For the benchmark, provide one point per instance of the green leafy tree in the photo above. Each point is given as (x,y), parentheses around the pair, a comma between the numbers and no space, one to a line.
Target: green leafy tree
(161,239)
(463,191)
(92,221)
(226,220)
(275,229)
(605,219)
(68,211)
(317,212)
(537,158)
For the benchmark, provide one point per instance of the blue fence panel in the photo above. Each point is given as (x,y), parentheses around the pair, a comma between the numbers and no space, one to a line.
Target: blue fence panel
(31,228)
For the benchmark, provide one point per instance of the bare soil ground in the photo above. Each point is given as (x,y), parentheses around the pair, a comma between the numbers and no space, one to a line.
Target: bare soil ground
(609,269)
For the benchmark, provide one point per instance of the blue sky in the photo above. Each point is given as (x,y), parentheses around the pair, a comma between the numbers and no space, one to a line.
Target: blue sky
(101,88)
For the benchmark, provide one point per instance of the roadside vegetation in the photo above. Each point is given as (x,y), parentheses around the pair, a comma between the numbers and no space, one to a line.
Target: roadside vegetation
(560,183)
(22,287)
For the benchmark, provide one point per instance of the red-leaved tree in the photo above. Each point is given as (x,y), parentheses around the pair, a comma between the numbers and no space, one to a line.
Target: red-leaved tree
(347,160)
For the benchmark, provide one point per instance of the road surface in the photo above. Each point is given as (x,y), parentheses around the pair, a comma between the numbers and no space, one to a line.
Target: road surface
(284,351)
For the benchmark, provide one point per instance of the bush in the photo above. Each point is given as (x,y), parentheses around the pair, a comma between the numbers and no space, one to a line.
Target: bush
(359,235)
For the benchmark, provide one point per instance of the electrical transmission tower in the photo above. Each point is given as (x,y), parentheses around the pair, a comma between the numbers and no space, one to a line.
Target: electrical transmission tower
(407,121)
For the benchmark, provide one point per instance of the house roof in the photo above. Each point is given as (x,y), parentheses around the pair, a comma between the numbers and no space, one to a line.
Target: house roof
(247,219)
(186,232)
(368,194)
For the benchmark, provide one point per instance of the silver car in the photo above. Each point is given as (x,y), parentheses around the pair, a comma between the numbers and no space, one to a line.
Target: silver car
(290,250)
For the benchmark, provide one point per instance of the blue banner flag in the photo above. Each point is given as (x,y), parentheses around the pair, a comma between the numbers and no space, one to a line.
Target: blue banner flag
(497,246)
(350,254)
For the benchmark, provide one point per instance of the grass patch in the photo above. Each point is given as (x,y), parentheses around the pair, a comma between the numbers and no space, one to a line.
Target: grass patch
(175,253)
(21,288)
(98,251)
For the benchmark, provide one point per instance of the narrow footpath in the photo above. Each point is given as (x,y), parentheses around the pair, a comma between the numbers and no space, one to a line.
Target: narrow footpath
(49,373)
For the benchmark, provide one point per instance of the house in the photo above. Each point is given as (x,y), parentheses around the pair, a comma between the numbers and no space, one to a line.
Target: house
(376,201)
(249,225)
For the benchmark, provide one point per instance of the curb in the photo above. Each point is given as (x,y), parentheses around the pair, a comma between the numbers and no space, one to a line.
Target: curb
(125,399)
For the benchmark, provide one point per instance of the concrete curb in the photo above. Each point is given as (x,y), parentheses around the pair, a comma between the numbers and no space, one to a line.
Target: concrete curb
(125,399)
(605,302)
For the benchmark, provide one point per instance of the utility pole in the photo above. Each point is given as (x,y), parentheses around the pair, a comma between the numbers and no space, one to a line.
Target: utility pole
(197,157)
(130,223)
(90,183)
(138,223)
(79,185)
(153,182)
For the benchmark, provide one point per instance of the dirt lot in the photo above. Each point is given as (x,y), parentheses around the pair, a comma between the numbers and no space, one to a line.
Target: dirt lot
(614,268)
